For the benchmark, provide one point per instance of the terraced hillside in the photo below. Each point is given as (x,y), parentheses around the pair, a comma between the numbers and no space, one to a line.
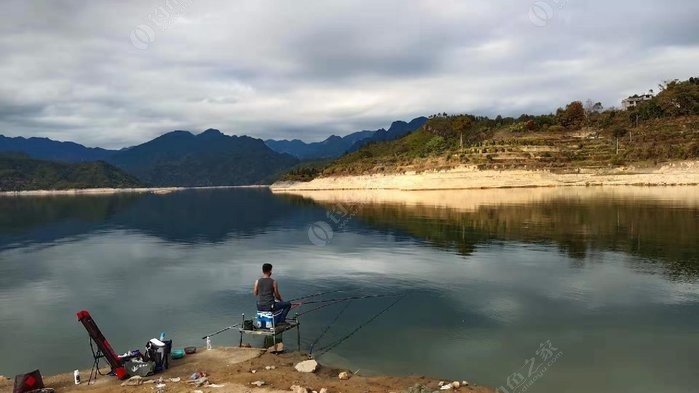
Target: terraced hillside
(651,143)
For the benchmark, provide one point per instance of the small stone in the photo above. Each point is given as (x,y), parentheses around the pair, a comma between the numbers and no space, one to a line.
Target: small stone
(253,371)
(277,348)
(133,381)
(177,379)
(298,389)
(307,366)
(446,387)
(440,383)
(198,391)
(344,375)
(257,383)
(323,390)
(464,383)
(456,384)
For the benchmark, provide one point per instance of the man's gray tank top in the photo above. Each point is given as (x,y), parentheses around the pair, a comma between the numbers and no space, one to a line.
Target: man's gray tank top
(265,291)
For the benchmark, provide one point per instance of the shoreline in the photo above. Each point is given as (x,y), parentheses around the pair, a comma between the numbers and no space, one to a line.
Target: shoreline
(233,370)
(109,191)
(469,177)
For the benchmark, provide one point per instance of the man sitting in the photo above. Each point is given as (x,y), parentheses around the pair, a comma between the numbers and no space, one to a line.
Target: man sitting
(268,296)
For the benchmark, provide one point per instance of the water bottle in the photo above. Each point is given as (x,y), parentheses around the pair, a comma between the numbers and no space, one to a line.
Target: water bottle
(208,343)
(76,377)
(162,336)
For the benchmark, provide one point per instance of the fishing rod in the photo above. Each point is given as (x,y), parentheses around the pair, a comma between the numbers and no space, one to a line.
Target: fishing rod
(294,306)
(331,346)
(220,331)
(319,307)
(315,295)
(341,299)
(328,326)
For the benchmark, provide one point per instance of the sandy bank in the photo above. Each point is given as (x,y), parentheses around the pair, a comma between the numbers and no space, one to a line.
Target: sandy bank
(232,367)
(679,173)
(107,191)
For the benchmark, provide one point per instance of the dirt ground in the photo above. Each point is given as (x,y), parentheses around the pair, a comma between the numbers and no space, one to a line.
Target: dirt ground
(232,367)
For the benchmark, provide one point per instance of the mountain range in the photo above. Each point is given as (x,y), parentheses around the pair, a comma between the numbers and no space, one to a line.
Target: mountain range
(181,158)
(207,159)
(335,146)
(48,149)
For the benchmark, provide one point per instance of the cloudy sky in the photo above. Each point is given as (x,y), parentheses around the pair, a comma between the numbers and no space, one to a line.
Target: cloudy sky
(117,73)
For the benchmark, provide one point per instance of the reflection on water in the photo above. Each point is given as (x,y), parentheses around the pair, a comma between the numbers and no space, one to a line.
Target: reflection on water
(656,224)
(608,275)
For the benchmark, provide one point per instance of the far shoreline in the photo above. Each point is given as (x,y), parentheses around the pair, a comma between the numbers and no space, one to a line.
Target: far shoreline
(681,173)
(109,191)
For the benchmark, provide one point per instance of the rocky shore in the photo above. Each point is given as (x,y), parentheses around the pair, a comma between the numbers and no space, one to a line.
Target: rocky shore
(238,370)
(678,173)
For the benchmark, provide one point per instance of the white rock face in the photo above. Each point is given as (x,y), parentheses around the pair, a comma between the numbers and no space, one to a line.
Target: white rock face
(456,384)
(307,366)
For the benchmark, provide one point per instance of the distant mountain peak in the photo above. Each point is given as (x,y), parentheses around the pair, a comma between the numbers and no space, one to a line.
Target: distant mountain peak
(211,132)
(335,146)
(176,133)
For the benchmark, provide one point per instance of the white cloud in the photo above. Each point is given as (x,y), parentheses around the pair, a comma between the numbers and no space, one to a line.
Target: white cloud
(310,68)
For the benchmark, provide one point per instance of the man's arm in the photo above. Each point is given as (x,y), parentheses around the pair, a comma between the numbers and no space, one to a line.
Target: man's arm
(277,295)
(254,288)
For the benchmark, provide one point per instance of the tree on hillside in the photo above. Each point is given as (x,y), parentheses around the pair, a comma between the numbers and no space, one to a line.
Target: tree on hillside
(593,107)
(462,124)
(679,99)
(572,116)
(619,132)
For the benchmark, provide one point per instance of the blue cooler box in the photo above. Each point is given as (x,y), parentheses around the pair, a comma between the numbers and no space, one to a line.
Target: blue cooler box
(263,319)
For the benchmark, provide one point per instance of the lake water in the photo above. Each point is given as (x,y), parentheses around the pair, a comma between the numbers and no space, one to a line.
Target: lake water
(595,289)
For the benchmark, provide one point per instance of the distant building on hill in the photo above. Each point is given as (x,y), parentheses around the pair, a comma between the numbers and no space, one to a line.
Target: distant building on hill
(634,100)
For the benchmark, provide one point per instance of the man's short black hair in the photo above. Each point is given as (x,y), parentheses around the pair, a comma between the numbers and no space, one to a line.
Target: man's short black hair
(266,268)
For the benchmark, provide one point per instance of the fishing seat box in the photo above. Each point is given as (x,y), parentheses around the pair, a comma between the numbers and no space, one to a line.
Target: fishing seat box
(267,319)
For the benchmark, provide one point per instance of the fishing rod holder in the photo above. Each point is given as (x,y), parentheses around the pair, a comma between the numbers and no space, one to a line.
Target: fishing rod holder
(272,332)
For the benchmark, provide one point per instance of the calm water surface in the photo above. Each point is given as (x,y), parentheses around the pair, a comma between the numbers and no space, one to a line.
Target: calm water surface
(608,277)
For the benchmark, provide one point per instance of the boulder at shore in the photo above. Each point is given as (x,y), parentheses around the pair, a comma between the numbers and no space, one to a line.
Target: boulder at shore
(307,366)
